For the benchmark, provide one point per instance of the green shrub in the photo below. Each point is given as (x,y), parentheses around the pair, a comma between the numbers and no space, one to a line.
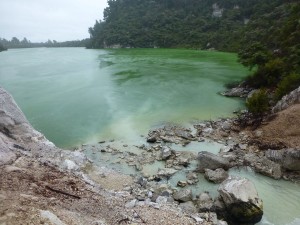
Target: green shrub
(267,75)
(287,84)
(258,103)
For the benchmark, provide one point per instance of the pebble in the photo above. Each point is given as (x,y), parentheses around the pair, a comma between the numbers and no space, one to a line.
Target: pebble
(131,204)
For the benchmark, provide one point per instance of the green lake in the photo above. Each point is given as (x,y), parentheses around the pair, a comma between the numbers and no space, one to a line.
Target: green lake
(75,96)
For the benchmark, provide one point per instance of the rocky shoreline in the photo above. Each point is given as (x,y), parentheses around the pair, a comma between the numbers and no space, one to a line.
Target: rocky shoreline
(142,197)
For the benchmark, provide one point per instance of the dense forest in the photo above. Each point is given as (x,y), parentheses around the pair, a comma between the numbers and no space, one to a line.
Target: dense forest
(16,43)
(201,24)
(265,33)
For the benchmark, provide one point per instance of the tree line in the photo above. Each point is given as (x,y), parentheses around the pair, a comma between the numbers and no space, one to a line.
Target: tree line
(204,24)
(25,43)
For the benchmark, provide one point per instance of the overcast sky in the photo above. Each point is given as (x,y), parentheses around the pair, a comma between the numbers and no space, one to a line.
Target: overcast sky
(40,20)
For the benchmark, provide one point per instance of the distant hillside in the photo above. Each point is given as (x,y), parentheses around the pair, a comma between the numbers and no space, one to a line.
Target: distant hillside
(197,24)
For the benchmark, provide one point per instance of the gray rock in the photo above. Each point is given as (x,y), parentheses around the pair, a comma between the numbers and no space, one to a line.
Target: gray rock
(287,100)
(226,126)
(51,217)
(152,139)
(207,160)
(183,195)
(263,165)
(154,205)
(131,204)
(150,194)
(188,207)
(142,181)
(288,158)
(241,200)
(13,122)
(6,155)
(166,152)
(225,149)
(274,155)
(70,165)
(183,159)
(197,218)
(192,178)
(236,92)
(204,202)
(98,222)
(213,218)
(220,208)
(216,176)
(138,167)
(166,172)
(184,134)
(161,200)
(181,183)
(221,222)
(291,159)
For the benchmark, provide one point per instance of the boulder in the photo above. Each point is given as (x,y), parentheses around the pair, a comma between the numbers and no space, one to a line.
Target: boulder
(181,183)
(216,176)
(161,200)
(188,207)
(184,134)
(166,152)
(207,160)
(263,165)
(131,204)
(238,91)
(151,139)
(166,172)
(13,122)
(288,158)
(241,200)
(287,100)
(291,159)
(204,202)
(183,195)
(69,165)
(192,178)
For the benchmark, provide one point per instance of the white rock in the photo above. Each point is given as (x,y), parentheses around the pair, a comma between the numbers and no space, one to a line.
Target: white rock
(161,200)
(131,204)
(70,165)
(197,218)
(154,205)
(52,217)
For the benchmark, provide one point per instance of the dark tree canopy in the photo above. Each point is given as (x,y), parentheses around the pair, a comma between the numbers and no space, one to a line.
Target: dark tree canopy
(176,23)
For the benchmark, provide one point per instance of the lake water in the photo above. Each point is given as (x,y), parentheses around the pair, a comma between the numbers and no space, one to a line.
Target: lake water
(76,96)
